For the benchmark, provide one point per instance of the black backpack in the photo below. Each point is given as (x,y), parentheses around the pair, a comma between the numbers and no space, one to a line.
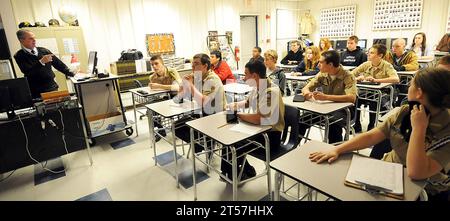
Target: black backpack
(131,55)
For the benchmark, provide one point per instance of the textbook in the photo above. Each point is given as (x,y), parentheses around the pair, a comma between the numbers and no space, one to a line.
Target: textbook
(376,176)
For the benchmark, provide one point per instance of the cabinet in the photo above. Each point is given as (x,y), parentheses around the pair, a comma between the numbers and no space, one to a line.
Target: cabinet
(63,42)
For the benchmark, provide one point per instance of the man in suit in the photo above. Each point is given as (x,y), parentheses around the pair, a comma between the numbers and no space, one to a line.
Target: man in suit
(36,64)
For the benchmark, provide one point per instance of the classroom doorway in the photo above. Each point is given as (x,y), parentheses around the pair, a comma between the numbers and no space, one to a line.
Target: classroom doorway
(249,38)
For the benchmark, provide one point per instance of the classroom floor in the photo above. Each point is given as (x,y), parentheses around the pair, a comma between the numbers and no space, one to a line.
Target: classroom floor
(126,174)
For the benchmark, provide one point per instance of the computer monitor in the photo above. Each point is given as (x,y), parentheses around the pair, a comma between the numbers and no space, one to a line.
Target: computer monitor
(362,43)
(341,45)
(393,39)
(92,63)
(14,94)
(382,41)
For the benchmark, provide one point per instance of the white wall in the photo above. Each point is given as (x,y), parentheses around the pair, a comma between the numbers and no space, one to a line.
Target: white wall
(111,26)
(434,18)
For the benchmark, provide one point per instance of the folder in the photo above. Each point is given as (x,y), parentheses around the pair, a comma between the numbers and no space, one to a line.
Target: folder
(376,176)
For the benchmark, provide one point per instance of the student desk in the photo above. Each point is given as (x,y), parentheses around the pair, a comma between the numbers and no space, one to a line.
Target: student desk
(313,110)
(287,67)
(292,79)
(167,113)
(374,93)
(329,179)
(237,89)
(139,98)
(426,62)
(212,127)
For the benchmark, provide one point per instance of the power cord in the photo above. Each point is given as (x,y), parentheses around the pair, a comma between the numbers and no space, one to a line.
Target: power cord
(29,154)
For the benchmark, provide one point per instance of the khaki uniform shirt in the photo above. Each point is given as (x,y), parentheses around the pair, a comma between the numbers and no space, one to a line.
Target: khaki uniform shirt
(383,70)
(437,145)
(268,102)
(344,84)
(169,78)
(213,88)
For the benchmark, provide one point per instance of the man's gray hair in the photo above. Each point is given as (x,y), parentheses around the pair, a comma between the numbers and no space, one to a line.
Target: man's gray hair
(21,33)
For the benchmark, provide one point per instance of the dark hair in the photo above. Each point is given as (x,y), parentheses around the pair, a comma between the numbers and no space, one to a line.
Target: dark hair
(434,82)
(257,67)
(218,54)
(445,60)
(157,57)
(21,33)
(381,49)
(354,38)
(331,57)
(204,59)
(424,42)
(258,48)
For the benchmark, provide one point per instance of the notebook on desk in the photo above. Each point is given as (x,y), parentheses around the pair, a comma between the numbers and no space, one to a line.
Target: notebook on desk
(376,176)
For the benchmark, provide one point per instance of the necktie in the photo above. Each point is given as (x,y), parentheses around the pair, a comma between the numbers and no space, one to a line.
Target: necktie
(33,52)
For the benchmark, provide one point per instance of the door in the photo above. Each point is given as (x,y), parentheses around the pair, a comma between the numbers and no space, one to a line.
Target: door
(249,38)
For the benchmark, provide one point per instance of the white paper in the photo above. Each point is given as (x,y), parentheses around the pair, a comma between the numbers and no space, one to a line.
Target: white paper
(245,128)
(50,44)
(321,101)
(377,173)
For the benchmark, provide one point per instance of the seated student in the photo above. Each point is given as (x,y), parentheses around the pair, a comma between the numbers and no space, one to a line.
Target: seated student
(221,68)
(354,55)
(444,62)
(419,135)
(337,85)
(211,94)
(310,64)
(325,45)
(420,47)
(374,70)
(402,60)
(163,78)
(267,103)
(295,55)
(256,55)
(273,72)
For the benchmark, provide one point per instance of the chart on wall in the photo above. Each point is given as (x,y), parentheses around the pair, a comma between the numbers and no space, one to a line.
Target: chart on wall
(448,20)
(397,14)
(338,22)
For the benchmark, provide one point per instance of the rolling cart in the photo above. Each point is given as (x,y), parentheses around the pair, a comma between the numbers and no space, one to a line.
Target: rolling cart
(103,110)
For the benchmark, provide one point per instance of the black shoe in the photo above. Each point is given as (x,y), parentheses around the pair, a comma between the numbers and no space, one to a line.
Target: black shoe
(248,173)
(198,148)
(157,138)
(163,133)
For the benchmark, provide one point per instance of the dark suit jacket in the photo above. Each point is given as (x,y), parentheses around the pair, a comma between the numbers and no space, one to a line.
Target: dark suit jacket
(40,77)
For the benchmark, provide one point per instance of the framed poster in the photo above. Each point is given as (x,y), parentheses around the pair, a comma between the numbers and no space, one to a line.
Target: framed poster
(397,14)
(160,44)
(338,22)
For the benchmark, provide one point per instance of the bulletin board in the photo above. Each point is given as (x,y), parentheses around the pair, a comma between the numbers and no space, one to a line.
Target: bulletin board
(448,20)
(338,22)
(397,14)
(160,44)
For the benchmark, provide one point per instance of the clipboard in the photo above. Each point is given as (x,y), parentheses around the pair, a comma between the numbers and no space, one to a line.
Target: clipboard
(363,188)
(376,177)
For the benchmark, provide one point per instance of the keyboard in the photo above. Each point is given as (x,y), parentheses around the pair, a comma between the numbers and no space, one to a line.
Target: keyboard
(368,83)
